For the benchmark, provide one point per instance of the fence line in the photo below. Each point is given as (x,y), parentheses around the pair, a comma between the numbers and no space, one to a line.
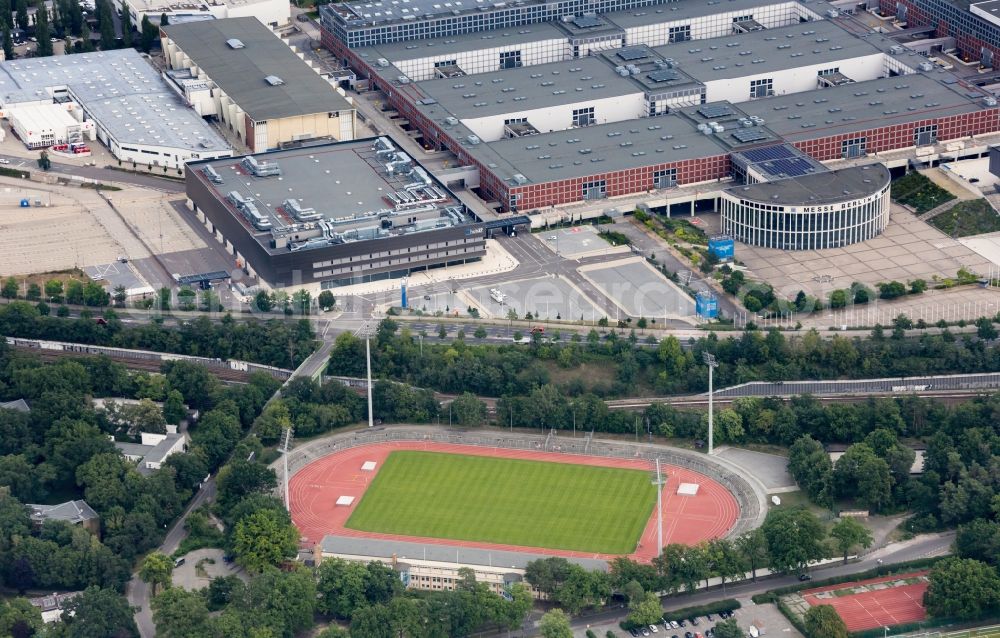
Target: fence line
(751,502)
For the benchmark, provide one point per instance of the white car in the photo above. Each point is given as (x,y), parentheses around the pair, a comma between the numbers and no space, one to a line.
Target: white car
(4,160)
(674,625)
(654,629)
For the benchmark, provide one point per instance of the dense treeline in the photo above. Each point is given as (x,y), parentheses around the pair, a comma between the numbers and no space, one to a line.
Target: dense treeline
(369,598)
(61,446)
(626,367)
(273,342)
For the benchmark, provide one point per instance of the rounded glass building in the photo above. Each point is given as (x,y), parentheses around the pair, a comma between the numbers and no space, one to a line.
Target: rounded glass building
(821,210)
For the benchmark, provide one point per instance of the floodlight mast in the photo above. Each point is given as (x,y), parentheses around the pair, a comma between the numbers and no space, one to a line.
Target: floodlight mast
(286,441)
(710,361)
(659,482)
(368,358)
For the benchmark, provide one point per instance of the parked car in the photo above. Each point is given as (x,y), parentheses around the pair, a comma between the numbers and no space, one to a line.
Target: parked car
(654,629)
(4,160)
(682,622)
(694,621)
(805,577)
(673,624)
(709,618)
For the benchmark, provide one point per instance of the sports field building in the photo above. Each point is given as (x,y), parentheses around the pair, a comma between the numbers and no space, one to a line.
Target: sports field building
(115,96)
(435,567)
(241,72)
(335,214)
(554,104)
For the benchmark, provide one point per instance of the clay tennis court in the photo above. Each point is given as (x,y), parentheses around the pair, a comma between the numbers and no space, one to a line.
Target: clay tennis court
(884,604)
(315,489)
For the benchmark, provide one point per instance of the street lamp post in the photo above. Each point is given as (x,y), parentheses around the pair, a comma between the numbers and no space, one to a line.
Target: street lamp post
(710,361)
(368,358)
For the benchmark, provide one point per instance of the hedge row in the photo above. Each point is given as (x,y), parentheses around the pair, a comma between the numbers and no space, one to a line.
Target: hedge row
(14,172)
(729,604)
(882,570)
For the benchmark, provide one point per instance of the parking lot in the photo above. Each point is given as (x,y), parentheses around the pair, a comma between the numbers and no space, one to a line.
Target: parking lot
(766,618)
(579,241)
(544,298)
(639,290)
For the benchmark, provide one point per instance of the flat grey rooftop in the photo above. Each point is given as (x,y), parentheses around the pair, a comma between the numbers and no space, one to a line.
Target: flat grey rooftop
(524,88)
(410,49)
(70,511)
(865,105)
(403,550)
(767,51)
(119,89)
(598,149)
(241,72)
(818,188)
(337,180)
(687,9)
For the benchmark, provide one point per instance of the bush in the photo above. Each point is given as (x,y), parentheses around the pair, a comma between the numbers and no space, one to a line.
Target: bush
(729,604)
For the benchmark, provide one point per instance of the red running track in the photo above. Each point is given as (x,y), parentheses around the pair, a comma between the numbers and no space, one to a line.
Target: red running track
(879,608)
(314,490)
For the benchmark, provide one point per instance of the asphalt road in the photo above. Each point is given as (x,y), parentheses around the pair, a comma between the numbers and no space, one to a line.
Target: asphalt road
(137,591)
(101,174)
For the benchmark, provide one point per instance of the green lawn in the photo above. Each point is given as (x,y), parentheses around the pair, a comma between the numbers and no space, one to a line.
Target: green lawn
(507,501)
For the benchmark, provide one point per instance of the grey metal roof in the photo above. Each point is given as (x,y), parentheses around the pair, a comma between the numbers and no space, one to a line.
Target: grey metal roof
(687,9)
(118,89)
(861,106)
(405,550)
(818,188)
(594,150)
(411,49)
(241,73)
(70,511)
(524,88)
(767,51)
(133,449)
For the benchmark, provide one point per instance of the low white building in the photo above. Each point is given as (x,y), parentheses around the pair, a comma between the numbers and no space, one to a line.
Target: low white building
(273,13)
(122,97)
(44,125)
(154,449)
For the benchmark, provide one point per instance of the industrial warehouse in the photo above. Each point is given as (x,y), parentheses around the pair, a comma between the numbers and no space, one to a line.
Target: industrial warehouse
(332,214)
(115,96)
(241,72)
(544,110)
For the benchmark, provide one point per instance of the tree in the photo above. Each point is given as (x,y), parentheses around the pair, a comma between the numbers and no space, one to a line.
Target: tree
(126,26)
(21,17)
(105,12)
(326,300)
(753,546)
(344,587)
(8,44)
(555,624)
(42,32)
(9,288)
(301,302)
(962,588)
(728,629)
(241,478)
(164,20)
(848,533)
(20,619)
(823,621)
(173,408)
(99,613)
(147,33)
(87,42)
(645,611)
(468,410)
(263,301)
(120,296)
(181,614)
(264,539)
(794,538)
(156,571)
(54,290)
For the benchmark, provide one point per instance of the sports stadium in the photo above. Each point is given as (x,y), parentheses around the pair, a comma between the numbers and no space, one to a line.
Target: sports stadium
(429,502)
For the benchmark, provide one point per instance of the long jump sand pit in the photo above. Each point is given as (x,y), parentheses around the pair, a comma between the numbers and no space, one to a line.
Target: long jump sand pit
(315,490)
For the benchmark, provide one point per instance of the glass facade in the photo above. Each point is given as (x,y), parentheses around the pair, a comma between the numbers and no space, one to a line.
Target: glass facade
(772,224)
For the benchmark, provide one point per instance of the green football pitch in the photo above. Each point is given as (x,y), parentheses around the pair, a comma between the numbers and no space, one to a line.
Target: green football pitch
(507,501)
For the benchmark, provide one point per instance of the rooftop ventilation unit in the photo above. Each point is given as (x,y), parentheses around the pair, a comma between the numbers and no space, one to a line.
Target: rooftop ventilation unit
(473,139)
(260,169)
(274,80)
(518,178)
(214,176)
(301,213)
(234,43)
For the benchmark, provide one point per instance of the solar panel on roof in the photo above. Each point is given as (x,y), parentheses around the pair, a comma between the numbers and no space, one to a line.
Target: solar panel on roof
(712,111)
(749,135)
(663,75)
(632,53)
(790,166)
(587,22)
(765,153)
